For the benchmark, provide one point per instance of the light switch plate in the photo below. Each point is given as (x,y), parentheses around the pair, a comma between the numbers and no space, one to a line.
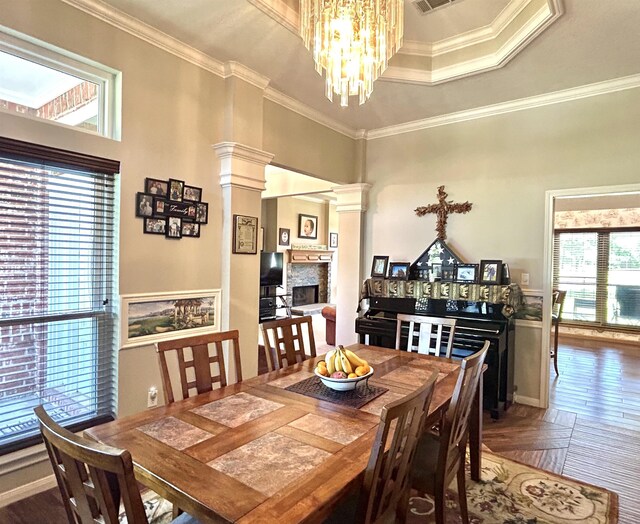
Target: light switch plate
(524,279)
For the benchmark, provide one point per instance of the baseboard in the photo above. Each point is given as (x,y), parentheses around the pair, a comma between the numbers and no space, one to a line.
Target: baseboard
(529,401)
(27,490)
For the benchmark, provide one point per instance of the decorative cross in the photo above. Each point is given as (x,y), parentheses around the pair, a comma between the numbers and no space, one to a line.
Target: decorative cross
(442,210)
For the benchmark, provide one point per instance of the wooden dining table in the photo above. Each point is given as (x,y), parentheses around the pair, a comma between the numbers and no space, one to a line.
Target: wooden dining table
(257,451)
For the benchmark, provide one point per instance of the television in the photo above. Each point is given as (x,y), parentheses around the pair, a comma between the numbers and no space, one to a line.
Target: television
(270,269)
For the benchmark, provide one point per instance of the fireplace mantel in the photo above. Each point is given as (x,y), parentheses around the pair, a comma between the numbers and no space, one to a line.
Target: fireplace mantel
(310,256)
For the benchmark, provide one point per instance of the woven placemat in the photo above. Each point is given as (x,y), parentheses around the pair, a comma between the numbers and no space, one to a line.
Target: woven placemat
(356,398)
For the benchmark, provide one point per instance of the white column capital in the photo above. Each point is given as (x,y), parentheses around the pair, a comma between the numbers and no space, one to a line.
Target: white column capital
(352,197)
(241,165)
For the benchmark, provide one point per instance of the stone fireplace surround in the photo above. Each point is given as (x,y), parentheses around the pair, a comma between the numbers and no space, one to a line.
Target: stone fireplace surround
(308,268)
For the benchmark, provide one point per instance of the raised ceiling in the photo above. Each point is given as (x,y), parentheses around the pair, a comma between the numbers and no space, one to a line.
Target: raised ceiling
(573,43)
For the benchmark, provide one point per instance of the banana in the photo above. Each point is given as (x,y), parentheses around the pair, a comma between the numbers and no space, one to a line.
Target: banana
(330,360)
(338,361)
(346,365)
(355,360)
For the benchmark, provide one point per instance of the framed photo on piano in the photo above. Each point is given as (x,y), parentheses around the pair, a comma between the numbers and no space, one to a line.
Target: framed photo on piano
(399,270)
(466,273)
(490,271)
(379,266)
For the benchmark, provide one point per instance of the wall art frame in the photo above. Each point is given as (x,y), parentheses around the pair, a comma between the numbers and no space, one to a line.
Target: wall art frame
(144,313)
(245,235)
(307,226)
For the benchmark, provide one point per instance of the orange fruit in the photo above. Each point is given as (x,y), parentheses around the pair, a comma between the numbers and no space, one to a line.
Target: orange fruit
(322,371)
(361,370)
(322,363)
(352,375)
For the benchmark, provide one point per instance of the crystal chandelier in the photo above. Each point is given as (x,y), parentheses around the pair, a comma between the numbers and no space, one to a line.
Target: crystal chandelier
(352,40)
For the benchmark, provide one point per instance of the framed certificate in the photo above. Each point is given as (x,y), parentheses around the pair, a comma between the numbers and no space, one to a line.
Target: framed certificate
(245,235)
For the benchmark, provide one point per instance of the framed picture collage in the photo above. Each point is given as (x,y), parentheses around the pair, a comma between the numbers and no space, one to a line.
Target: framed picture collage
(171,208)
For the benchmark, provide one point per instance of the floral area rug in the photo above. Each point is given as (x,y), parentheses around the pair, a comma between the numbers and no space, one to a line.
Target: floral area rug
(158,510)
(512,493)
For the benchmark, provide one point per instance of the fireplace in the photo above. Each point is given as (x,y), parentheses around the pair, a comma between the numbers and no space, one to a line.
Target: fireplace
(303,295)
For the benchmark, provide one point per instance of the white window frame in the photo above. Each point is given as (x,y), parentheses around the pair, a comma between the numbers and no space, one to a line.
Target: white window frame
(109,80)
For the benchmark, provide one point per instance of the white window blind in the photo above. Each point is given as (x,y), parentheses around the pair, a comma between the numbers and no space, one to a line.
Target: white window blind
(600,270)
(57,277)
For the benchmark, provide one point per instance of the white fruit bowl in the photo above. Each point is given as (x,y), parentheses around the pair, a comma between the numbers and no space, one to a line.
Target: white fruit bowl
(342,384)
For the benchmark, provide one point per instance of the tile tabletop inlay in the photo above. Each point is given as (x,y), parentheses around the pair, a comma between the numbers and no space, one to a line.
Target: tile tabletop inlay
(237,409)
(442,367)
(410,375)
(294,378)
(373,357)
(175,433)
(375,406)
(344,431)
(282,460)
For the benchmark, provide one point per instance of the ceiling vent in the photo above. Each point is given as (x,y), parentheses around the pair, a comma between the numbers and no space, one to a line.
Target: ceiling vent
(426,6)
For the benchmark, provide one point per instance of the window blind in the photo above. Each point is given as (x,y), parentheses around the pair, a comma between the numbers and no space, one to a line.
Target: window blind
(57,296)
(600,270)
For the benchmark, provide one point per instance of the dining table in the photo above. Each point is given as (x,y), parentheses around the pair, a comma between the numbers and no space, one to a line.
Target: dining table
(278,447)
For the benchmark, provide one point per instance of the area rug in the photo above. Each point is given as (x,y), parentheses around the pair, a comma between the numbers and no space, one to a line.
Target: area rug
(509,493)
(513,493)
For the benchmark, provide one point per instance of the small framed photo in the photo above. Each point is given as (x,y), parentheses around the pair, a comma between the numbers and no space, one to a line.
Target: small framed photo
(144,205)
(159,206)
(155,226)
(174,227)
(156,187)
(190,229)
(447,272)
(333,239)
(261,244)
(202,213)
(379,267)
(192,194)
(176,189)
(435,273)
(466,273)
(307,226)
(399,270)
(245,235)
(284,236)
(506,275)
(490,271)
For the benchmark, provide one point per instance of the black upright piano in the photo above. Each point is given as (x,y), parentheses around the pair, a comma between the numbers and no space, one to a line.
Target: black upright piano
(476,322)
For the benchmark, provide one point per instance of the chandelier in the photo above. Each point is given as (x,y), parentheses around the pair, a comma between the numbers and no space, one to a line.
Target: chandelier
(352,41)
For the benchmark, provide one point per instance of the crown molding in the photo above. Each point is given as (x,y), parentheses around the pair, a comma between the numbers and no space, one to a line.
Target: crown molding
(307,112)
(149,34)
(244,73)
(557,97)
(548,13)
(280,12)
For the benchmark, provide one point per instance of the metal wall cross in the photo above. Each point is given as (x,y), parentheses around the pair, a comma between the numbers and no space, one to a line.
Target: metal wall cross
(442,210)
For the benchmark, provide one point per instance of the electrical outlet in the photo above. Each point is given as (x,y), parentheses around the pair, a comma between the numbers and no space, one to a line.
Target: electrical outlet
(152,397)
(524,279)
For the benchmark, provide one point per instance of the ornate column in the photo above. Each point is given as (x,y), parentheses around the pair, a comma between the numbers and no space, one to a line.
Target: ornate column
(352,203)
(242,180)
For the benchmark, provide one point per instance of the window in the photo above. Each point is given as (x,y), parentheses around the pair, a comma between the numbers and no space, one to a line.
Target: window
(600,270)
(57,285)
(40,81)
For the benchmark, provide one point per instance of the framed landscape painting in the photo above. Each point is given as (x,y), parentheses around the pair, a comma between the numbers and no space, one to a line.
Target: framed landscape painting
(148,318)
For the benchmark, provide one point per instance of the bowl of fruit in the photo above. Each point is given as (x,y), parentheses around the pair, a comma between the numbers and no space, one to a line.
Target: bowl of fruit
(342,369)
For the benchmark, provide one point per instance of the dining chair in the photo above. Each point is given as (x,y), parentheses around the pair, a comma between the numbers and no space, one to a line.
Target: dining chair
(433,334)
(205,351)
(384,495)
(96,481)
(440,457)
(556,318)
(285,339)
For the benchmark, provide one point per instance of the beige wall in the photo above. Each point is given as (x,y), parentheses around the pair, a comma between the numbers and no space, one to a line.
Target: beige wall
(503,165)
(306,146)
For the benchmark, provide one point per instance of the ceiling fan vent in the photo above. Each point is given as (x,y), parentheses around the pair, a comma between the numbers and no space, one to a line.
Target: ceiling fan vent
(427,6)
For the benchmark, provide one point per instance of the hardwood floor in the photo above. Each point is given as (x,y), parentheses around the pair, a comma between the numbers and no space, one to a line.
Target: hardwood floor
(591,432)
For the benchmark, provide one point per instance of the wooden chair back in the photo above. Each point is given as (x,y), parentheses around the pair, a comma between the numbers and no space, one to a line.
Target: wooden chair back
(205,351)
(434,335)
(284,339)
(93,478)
(455,429)
(558,303)
(386,480)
